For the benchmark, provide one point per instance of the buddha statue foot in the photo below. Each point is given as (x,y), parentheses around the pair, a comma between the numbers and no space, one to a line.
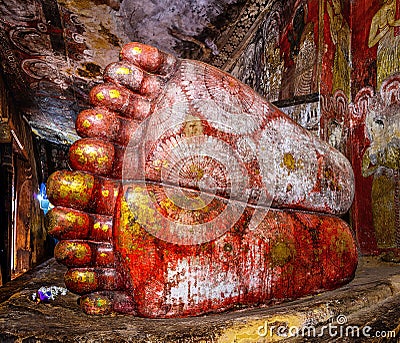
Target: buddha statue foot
(191,194)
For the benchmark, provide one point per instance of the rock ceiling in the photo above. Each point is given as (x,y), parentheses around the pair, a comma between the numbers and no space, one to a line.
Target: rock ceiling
(54,51)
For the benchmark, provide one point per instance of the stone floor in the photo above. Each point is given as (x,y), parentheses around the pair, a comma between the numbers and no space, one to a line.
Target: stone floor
(366,308)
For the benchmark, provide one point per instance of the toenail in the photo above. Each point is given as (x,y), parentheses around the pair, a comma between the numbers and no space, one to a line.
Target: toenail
(114,93)
(136,50)
(123,71)
(100,96)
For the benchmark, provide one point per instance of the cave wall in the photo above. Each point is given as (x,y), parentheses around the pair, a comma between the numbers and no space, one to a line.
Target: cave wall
(52,54)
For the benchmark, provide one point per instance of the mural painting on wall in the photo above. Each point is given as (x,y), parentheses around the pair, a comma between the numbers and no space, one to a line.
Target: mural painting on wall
(378,115)
(335,120)
(374,141)
(340,36)
(34,54)
(299,51)
(335,73)
(31,40)
(308,115)
(23,228)
(284,59)
(280,61)
(381,159)
(376,43)
(260,65)
(385,33)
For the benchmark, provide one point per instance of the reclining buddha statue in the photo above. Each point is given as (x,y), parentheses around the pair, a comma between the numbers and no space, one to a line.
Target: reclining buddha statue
(190,193)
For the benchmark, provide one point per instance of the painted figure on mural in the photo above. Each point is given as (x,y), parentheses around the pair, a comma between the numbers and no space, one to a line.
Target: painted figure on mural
(384,32)
(382,160)
(298,77)
(267,42)
(335,135)
(294,38)
(305,62)
(340,34)
(24,218)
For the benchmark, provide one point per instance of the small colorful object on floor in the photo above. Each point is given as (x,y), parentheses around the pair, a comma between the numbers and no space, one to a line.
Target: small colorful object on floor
(45,294)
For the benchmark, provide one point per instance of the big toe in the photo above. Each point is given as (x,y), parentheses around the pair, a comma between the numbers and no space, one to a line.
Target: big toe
(148,58)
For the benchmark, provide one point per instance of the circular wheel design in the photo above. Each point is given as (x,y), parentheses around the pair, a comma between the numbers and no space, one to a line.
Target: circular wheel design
(223,101)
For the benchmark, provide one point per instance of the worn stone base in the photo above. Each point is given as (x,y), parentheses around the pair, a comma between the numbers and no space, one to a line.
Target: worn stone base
(371,299)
